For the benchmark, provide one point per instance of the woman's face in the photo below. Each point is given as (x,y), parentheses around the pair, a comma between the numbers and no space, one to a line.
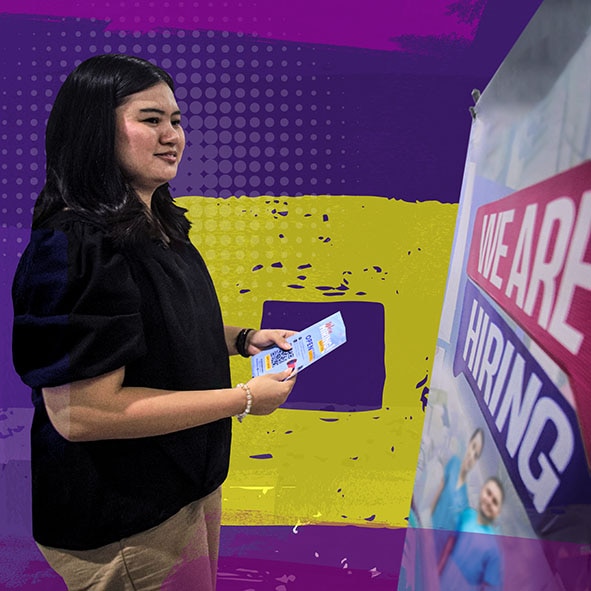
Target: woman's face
(473,452)
(149,139)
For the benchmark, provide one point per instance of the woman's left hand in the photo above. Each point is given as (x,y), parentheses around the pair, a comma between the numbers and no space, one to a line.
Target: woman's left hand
(257,340)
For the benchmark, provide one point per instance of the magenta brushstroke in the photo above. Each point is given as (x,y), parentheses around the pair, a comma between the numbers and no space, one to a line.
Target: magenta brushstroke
(377,25)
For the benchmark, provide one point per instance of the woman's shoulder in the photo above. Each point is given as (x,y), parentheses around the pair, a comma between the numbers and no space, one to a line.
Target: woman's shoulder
(67,245)
(453,463)
(72,223)
(71,231)
(76,305)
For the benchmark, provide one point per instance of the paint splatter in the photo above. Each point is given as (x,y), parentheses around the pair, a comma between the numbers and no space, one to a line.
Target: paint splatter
(423,381)
(261,456)
(424,398)
(424,392)
(11,431)
(334,291)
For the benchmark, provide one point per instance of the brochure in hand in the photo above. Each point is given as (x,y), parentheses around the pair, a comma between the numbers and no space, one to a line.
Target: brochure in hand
(308,346)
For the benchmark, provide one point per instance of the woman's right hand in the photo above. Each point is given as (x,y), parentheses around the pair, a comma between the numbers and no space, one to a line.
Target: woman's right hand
(270,391)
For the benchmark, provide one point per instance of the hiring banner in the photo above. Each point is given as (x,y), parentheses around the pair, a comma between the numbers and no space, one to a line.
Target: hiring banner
(502,496)
(530,253)
(503,468)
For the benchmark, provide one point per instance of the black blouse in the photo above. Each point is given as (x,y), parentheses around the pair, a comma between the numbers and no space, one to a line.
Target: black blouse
(84,307)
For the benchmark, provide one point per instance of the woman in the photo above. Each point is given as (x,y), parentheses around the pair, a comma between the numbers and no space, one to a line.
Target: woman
(119,333)
(451,497)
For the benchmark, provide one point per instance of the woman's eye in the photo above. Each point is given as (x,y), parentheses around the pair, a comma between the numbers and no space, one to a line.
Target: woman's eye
(176,122)
(153,120)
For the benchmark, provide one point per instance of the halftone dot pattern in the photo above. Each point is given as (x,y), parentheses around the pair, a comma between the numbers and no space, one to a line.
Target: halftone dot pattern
(235,105)
(244,106)
(261,116)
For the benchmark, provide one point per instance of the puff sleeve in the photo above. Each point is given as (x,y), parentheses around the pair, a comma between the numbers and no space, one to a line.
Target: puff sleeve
(76,307)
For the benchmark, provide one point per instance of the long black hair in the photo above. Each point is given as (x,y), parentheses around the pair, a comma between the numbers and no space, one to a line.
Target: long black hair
(82,173)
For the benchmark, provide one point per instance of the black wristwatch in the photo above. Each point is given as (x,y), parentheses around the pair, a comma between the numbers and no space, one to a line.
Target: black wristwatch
(241,341)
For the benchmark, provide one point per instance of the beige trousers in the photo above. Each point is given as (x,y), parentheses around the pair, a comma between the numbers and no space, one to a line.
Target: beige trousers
(180,554)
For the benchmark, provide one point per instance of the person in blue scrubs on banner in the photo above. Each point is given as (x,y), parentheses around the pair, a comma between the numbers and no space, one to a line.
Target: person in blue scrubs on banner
(452,497)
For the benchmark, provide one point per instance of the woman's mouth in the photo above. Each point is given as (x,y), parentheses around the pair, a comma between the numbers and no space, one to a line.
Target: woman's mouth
(170,157)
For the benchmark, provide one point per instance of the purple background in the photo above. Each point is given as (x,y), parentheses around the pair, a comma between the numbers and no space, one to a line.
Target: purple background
(356,366)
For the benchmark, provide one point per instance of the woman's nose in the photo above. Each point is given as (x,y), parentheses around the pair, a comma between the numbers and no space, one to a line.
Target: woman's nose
(169,135)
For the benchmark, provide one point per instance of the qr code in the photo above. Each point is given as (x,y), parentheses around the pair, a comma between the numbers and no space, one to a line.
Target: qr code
(280,356)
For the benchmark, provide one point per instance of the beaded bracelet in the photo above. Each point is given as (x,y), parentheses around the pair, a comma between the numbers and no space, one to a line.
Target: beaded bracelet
(246,410)
(241,341)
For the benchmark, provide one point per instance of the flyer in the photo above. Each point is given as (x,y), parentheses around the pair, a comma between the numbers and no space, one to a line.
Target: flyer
(308,346)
